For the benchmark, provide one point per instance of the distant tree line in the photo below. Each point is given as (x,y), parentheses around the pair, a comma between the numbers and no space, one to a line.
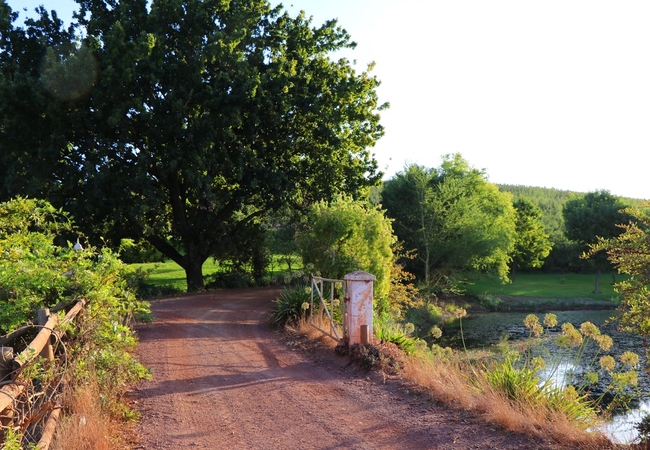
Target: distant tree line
(567,250)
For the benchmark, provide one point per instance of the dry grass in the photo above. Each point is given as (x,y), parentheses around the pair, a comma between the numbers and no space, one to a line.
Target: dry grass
(314,335)
(454,383)
(459,385)
(84,427)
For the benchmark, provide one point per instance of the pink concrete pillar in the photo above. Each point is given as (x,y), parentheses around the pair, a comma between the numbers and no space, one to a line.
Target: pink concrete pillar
(359,307)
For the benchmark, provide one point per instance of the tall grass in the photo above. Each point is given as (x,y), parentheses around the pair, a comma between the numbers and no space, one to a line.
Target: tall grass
(459,385)
(291,306)
(85,427)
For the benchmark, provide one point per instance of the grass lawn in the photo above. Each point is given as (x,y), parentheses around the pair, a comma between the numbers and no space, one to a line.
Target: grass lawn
(169,273)
(560,290)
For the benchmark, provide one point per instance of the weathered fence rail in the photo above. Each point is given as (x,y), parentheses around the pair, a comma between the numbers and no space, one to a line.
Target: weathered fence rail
(14,385)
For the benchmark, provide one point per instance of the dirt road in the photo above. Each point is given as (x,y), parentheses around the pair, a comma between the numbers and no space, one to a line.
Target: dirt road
(223,379)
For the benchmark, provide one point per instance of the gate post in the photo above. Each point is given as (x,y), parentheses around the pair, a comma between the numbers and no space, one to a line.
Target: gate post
(359,309)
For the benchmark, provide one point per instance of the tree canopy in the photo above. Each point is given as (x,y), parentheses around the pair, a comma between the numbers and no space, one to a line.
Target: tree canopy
(453,217)
(595,215)
(629,252)
(347,235)
(185,122)
(532,244)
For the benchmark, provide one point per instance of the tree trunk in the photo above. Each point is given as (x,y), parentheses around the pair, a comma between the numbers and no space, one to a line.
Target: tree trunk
(597,285)
(192,262)
(194,274)
(426,266)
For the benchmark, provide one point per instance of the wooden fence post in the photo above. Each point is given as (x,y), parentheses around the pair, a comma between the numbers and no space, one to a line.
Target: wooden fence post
(42,318)
(6,369)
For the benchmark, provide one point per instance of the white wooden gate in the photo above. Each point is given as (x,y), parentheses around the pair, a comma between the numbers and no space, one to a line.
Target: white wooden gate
(330,295)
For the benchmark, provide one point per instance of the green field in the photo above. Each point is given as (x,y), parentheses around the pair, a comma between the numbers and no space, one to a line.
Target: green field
(170,274)
(549,290)
(543,285)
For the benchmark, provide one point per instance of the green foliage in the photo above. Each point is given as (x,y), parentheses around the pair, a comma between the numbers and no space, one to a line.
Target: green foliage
(592,217)
(69,77)
(629,252)
(520,384)
(565,255)
(230,280)
(138,252)
(36,273)
(281,240)
(455,220)
(581,347)
(34,155)
(595,215)
(103,349)
(192,136)
(291,306)
(404,342)
(388,330)
(489,302)
(532,245)
(12,441)
(348,235)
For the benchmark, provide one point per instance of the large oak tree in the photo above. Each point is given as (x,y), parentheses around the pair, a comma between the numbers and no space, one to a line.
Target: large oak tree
(200,116)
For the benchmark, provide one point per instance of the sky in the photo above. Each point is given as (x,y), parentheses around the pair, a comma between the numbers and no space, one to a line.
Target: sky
(552,93)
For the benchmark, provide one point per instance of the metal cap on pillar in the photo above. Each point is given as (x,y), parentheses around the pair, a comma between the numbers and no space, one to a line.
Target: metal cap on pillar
(358,320)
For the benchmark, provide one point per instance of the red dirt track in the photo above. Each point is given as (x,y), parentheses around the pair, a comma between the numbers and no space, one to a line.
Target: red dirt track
(224,379)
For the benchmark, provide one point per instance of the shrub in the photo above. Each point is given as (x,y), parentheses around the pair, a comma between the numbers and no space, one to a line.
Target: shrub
(490,302)
(518,384)
(291,306)
(35,273)
(348,235)
(139,252)
(389,331)
(521,385)
(230,280)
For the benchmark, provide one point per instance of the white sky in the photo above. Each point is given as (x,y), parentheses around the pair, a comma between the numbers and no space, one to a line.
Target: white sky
(552,93)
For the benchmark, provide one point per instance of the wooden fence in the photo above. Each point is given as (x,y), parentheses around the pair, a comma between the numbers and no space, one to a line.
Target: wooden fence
(24,403)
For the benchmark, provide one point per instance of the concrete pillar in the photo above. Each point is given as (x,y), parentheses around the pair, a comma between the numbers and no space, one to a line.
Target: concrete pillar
(359,307)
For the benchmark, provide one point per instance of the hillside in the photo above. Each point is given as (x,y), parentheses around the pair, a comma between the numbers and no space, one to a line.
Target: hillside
(551,202)
(565,254)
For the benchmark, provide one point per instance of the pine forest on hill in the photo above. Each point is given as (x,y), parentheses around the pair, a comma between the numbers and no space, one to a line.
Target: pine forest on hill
(564,255)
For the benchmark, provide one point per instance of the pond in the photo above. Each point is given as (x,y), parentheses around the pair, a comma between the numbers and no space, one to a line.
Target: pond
(489,329)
